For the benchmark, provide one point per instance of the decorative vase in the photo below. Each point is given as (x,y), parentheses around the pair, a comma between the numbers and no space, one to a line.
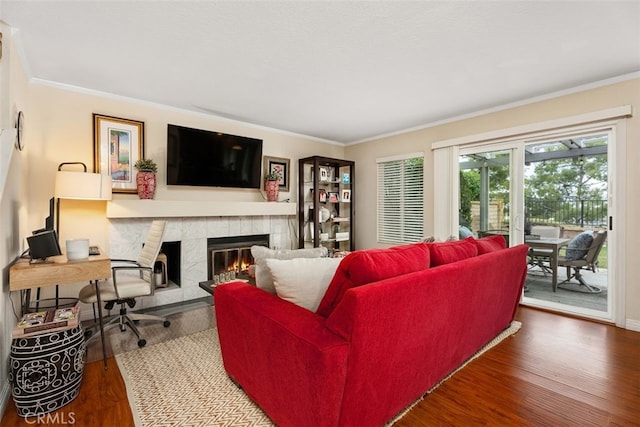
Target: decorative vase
(146,184)
(272,188)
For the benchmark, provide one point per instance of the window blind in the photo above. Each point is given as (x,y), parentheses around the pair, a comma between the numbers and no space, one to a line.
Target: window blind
(401,199)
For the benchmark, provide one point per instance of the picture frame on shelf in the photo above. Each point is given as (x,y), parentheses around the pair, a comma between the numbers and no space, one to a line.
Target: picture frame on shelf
(346,196)
(322,195)
(324,174)
(333,197)
(117,145)
(279,165)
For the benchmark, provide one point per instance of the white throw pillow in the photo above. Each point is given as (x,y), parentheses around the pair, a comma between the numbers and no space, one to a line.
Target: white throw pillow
(260,255)
(303,281)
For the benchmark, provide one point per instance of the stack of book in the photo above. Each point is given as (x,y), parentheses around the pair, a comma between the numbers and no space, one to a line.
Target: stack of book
(47,321)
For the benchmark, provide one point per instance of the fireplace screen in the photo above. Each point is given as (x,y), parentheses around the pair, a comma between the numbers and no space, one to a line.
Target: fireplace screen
(237,260)
(231,256)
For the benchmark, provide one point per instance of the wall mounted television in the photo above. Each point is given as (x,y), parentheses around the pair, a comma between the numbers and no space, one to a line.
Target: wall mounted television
(212,159)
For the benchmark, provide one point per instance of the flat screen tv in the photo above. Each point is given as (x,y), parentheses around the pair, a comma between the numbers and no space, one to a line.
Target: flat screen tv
(212,159)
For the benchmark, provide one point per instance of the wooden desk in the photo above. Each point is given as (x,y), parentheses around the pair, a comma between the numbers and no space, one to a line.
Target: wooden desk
(25,275)
(554,245)
(57,270)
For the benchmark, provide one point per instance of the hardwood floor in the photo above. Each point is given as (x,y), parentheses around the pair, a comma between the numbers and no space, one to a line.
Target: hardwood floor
(102,402)
(556,371)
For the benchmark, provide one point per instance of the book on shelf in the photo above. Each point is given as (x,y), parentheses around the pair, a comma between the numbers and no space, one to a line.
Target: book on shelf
(45,321)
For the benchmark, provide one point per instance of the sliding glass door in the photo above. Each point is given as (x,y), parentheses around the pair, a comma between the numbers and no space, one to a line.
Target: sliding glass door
(551,194)
(567,211)
(485,204)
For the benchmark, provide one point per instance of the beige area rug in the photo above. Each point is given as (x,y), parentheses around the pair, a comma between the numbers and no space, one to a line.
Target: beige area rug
(183,382)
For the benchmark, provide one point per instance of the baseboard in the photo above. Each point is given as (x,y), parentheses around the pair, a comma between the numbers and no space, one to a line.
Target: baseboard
(4,398)
(633,325)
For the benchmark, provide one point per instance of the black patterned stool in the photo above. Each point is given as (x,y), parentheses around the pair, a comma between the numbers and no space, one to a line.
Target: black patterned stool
(46,370)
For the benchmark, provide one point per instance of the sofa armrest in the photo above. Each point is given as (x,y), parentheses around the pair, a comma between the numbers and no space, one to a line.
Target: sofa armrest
(281,354)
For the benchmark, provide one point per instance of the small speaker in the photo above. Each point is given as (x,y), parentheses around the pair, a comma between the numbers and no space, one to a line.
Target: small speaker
(44,244)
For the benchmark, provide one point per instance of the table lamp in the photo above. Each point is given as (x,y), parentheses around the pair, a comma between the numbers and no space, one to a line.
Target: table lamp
(80,186)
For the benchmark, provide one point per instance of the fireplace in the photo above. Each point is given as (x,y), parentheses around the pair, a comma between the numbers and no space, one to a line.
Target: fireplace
(231,257)
(127,234)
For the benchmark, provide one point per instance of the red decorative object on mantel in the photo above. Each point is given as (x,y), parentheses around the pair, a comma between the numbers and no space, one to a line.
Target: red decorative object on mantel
(272,188)
(146,184)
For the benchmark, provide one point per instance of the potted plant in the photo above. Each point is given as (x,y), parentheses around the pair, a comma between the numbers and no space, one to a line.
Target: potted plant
(146,178)
(272,185)
(147,165)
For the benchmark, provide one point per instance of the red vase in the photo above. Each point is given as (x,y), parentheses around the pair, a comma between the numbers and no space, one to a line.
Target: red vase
(272,188)
(146,184)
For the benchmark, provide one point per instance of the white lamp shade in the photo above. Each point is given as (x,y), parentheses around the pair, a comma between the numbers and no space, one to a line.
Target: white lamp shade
(82,186)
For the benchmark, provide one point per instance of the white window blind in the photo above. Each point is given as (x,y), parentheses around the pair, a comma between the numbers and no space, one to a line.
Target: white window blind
(401,199)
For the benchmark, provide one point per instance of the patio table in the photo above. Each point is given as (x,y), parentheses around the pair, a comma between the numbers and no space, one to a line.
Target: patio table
(549,243)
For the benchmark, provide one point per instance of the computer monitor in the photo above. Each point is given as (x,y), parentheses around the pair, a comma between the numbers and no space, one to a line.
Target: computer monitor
(43,245)
(48,221)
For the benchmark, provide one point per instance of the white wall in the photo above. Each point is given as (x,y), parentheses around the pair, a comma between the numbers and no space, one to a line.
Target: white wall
(61,130)
(13,196)
(589,100)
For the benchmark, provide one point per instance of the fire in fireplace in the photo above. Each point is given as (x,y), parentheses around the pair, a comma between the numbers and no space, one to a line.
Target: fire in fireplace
(232,254)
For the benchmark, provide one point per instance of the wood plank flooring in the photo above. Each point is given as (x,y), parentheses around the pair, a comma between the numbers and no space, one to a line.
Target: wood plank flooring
(556,371)
(102,402)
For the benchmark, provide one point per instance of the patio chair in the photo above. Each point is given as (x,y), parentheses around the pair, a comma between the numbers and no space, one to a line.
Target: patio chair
(580,256)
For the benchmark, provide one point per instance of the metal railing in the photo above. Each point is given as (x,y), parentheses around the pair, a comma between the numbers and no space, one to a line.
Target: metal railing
(570,211)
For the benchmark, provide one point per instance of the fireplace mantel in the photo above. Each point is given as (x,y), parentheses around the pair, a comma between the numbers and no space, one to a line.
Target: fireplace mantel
(132,208)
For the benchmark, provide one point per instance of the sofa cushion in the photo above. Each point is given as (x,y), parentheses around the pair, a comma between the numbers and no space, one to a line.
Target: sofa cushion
(261,254)
(303,281)
(371,265)
(452,251)
(579,245)
(490,244)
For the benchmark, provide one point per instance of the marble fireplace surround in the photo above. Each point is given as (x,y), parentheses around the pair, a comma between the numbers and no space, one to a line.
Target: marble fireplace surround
(191,223)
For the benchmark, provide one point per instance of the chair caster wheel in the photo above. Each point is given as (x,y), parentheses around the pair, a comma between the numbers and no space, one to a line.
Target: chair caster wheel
(142,343)
(166,323)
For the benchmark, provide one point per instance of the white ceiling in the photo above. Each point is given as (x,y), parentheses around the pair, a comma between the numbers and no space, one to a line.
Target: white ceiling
(344,71)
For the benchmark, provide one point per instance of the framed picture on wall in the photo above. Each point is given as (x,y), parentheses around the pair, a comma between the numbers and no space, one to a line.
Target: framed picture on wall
(281,167)
(117,145)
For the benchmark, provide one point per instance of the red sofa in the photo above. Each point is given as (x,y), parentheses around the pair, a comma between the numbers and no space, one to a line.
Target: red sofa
(370,351)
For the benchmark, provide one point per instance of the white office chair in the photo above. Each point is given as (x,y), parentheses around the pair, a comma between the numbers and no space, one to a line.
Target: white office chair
(130,279)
